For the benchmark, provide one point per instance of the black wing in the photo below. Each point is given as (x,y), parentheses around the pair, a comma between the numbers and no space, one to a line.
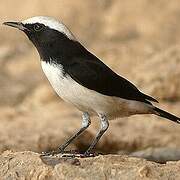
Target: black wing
(95,75)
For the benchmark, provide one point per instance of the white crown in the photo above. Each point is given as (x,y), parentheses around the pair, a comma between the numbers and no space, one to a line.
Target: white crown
(51,23)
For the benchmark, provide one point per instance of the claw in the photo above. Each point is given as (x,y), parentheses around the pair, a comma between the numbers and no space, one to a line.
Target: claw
(89,154)
(49,153)
(70,153)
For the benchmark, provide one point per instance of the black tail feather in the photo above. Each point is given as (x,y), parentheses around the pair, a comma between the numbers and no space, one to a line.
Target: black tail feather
(167,115)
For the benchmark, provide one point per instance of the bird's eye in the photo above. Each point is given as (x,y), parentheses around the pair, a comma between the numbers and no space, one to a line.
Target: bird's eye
(38,27)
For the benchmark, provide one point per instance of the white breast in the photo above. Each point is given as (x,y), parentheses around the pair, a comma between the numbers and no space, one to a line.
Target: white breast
(88,100)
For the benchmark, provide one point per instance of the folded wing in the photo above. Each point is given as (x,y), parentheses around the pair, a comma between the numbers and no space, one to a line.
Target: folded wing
(95,75)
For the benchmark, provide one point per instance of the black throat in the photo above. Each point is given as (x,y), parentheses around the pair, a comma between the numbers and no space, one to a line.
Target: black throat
(55,47)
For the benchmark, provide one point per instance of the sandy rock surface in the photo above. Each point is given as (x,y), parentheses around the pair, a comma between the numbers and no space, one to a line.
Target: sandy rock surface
(138,39)
(29,165)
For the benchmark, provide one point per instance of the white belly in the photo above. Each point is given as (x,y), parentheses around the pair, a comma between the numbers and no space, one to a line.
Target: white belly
(88,100)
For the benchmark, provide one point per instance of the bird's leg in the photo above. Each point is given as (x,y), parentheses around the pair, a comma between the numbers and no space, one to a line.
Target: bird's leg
(104,127)
(85,124)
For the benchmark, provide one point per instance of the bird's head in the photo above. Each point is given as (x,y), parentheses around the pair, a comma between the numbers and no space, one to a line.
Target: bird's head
(45,32)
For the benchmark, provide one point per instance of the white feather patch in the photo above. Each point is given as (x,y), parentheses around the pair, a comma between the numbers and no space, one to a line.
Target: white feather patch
(51,23)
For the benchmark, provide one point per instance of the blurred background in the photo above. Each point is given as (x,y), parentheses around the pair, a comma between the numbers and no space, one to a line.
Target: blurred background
(138,39)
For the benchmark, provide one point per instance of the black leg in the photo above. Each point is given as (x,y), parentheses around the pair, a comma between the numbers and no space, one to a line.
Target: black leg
(104,127)
(85,124)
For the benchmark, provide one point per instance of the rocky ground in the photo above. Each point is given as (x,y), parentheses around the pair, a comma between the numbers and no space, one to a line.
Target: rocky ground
(113,167)
(138,39)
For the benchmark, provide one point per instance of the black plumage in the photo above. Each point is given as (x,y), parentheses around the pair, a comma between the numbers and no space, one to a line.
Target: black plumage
(103,80)
(84,67)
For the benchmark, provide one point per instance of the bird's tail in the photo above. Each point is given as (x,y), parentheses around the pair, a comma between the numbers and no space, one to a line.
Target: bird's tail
(167,115)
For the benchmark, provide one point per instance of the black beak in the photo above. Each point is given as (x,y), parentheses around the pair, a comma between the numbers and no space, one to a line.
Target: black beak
(17,25)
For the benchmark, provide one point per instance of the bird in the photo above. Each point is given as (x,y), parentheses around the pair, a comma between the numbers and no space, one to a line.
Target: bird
(83,80)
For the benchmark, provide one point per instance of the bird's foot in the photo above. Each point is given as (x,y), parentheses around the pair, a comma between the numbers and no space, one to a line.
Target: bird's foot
(62,153)
(50,153)
(70,154)
(89,154)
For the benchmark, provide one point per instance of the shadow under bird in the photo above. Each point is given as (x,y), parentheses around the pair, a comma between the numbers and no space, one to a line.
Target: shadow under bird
(83,80)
